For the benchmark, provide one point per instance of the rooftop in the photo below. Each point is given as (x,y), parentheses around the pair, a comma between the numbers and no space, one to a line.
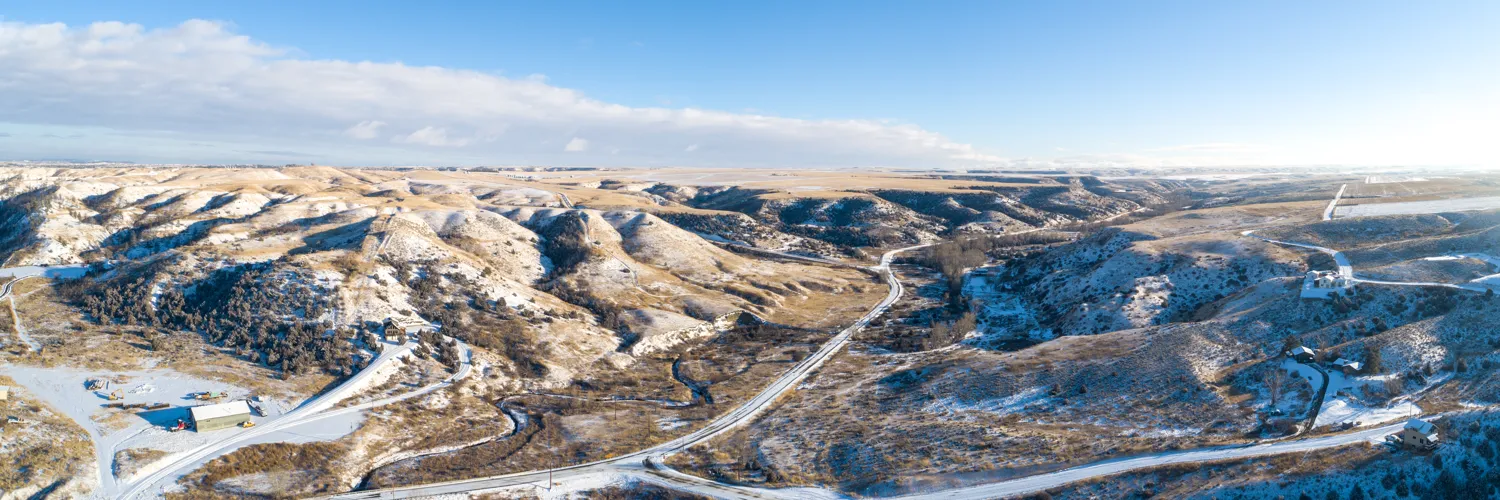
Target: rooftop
(406,322)
(219,410)
(1421,426)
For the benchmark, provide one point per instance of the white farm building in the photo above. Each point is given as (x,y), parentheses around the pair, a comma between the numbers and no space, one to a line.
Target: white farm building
(219,416)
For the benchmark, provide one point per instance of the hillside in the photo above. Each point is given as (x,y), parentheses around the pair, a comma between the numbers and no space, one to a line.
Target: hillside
(1157,335)
(820,219)
(280,280)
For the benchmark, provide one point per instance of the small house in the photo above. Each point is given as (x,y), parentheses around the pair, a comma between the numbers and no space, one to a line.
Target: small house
(1324,285)
(1418,434)
(1349,367)
(399,329)
(1302,354)
(219,416)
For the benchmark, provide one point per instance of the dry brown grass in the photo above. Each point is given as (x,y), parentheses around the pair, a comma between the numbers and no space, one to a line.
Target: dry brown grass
(640,491)
(1230,219)
(852,432)
(27,286)
(311,464)
(128,461)
(1189,480)
(566,430)
(45,449)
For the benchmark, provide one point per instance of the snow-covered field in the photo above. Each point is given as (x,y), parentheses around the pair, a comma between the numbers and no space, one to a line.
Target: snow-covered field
(48,271)
(1341,404)
(116,430)
(1338,411)
(1419,207)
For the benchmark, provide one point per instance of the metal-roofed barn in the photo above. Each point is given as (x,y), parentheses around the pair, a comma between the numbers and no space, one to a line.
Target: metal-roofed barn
(219,416)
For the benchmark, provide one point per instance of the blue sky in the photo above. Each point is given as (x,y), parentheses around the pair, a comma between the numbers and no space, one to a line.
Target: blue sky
(939,84)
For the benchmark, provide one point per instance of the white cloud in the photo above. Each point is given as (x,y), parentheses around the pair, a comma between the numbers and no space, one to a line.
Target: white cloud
(691,148)
(368,129)
(200,82)
(1212,147)
(430,136)
(577,145)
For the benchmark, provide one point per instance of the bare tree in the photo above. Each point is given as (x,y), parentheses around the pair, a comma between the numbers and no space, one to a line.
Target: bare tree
(1275,380)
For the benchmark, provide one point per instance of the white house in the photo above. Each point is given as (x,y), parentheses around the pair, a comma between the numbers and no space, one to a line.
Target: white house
(1419,434)
(1348,366)
(1324,285)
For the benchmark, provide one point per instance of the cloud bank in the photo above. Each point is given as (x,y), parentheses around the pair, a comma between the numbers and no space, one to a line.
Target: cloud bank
(201,82)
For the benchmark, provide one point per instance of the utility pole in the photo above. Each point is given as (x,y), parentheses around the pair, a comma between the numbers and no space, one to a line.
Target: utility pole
(553,440)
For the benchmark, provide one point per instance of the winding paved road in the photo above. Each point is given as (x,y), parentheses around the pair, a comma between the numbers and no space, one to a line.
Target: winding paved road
(648,465)
(650,461)
(1040,482)
(16,274)
(316,409)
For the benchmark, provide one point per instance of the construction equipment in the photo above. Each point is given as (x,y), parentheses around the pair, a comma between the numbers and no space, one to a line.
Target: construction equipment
(247,424)
(181,426)
(210,395)
(117,395)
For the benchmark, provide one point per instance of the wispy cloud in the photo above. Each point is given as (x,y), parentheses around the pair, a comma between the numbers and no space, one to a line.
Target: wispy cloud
(368,129)
(201,82)
(1211,147)
(577,145)
(431,136)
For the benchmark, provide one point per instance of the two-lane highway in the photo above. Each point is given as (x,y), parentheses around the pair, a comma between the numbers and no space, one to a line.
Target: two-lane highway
(648,465)
(638,463)
(316,409)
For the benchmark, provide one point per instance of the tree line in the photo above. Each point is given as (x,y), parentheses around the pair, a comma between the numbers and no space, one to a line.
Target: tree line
(265,311)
